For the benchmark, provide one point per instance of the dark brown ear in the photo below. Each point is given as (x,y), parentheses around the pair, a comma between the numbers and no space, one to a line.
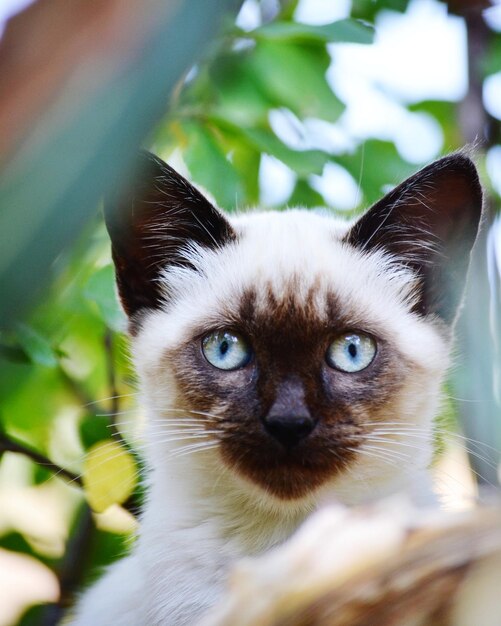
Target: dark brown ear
(429,223)
(151,224)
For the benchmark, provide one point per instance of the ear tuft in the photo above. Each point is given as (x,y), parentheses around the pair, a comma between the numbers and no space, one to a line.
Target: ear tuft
(150,225)
(429,223)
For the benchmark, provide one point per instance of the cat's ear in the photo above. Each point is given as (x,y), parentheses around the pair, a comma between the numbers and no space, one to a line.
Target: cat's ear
(429,223)
(151,224)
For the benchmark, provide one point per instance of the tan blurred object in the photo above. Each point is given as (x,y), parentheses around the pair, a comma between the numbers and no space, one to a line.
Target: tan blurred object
(388,565)
(23,581)
(55,46)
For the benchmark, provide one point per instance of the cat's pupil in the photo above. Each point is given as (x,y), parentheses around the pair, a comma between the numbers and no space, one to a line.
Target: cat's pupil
(352,349)
(223,348)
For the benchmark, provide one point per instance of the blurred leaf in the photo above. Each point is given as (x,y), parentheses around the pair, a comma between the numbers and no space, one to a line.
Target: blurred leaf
(209,166)
(346,31)
(491,63)
(304,196)
(41,474)
(368,9)
(13,353)
(100,289)
(37,614)
(303,162)
(14,541)
(246,159)
(109,475)
(445,113)
(293,76)
(35,346)
(94,428)
(391,169)
(240,99)
(105,548)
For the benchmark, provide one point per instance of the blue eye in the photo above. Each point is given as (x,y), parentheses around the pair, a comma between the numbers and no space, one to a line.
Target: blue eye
(226,350)
(351,352)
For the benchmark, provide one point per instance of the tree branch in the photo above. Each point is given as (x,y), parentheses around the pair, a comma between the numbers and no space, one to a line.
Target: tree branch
(9,444)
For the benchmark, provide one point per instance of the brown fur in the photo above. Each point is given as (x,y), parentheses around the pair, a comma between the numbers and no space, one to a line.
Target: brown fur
(289,337)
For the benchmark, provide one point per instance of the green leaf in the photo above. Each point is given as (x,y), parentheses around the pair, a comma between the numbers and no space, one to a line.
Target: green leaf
(15,354)
(14,541)
(376,164)
(100,289)
(94,428)
(341,31)
(304,196)
(293,76)
(209,166)
(246,160)
(41,474)
(109,475)
(36,347)
(490,63)
(368,9)
(445,113)
(303,162)
(239,98)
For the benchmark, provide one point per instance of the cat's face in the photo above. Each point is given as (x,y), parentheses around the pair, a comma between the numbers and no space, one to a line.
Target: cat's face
(285,344)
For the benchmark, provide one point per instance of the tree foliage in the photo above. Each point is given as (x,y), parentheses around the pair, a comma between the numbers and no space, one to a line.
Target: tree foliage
(68,410)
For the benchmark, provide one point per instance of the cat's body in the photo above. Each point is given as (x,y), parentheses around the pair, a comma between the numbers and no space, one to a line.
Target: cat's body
(337,337)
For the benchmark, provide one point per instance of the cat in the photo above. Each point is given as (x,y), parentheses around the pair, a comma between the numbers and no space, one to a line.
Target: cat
(285,359)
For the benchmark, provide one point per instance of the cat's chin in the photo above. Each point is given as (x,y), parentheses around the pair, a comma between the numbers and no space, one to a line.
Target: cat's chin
(286,475)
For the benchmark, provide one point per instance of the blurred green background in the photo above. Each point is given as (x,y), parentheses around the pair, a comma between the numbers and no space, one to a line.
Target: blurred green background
(264,103)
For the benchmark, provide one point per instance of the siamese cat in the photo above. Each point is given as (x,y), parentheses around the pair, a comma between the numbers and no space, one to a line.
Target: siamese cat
(285,359)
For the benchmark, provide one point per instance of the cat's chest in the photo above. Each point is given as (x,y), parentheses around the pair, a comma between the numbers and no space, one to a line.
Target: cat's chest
(192,563)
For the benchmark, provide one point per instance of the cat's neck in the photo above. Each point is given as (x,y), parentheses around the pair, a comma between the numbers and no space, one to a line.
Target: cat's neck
(185,498)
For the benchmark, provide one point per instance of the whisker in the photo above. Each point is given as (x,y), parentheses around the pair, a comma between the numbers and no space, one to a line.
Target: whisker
(115,397)
(365,452)
(391,453)
(465,440)
(204,445)
(186,432)
(192,411)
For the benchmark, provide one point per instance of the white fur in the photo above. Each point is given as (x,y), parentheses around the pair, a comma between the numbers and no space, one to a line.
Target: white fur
(200,516)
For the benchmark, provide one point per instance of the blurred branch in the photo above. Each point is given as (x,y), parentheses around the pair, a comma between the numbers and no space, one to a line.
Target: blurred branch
(475,122)
(474,381)
(71,568)
(9,444)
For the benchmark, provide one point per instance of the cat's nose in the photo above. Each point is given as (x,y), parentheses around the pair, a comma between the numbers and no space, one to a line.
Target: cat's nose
(289,430)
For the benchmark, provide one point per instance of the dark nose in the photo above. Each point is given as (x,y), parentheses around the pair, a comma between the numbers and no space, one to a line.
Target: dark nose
(289,430)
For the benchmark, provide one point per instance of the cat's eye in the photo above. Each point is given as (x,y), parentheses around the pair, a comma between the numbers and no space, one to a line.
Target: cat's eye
(226,350)
(351,352)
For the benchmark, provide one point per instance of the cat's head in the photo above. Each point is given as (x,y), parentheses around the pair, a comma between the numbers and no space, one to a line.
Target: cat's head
(297,350)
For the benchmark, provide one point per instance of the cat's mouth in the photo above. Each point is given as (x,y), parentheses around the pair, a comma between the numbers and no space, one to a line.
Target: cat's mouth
(287,473)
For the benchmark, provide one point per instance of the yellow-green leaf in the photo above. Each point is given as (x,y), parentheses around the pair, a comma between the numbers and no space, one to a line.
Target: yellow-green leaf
(109,475)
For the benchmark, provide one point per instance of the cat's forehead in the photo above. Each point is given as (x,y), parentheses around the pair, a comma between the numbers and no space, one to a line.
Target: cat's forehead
(294,263)
(290,276)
